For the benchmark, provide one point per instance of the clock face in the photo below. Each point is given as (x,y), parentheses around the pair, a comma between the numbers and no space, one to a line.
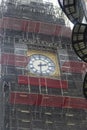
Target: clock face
(41,65)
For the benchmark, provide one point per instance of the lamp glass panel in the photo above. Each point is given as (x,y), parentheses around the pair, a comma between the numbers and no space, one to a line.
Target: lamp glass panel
(80,53)
(84,51)
(80,37)
(75,15)
(72,9)
(81,45)
(66,2)
(67,11)
(82,28)
(74,38)
(71,1)
(76,28)
(70,17)
(76,47)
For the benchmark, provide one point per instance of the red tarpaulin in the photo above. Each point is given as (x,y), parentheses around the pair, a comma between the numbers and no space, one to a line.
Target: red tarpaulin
(45,82)
(14,60)
(35,26)
(48,100)
(12,23)
(46,28)
(74,66)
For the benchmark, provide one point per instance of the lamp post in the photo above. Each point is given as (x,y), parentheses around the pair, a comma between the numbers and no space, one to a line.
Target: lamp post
(75,12)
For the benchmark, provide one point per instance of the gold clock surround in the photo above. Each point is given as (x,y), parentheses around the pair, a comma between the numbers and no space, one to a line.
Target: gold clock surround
(50,55)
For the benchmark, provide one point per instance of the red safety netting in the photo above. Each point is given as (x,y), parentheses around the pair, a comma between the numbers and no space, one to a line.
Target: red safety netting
(45,82)
(74,67)
(35,26)
(14,60)
(48,100)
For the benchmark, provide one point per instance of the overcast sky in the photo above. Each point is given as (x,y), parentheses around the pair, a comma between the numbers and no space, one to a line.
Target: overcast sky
(53,1)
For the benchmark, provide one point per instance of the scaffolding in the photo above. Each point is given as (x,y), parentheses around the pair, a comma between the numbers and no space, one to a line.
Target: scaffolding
(38,102)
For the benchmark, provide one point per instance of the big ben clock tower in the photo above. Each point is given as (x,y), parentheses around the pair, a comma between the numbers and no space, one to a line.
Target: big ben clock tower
(40,84)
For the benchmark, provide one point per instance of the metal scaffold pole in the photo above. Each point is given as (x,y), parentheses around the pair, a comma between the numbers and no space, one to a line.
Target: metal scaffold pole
(2,94)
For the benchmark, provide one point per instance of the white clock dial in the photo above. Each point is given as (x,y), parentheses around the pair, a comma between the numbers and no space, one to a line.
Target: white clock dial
(41,65)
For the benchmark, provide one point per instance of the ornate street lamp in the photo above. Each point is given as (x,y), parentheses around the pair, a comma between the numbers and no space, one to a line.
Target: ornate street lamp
(73,10)
(79,40)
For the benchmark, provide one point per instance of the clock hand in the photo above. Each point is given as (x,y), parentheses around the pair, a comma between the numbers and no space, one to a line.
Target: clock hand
(42,64)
